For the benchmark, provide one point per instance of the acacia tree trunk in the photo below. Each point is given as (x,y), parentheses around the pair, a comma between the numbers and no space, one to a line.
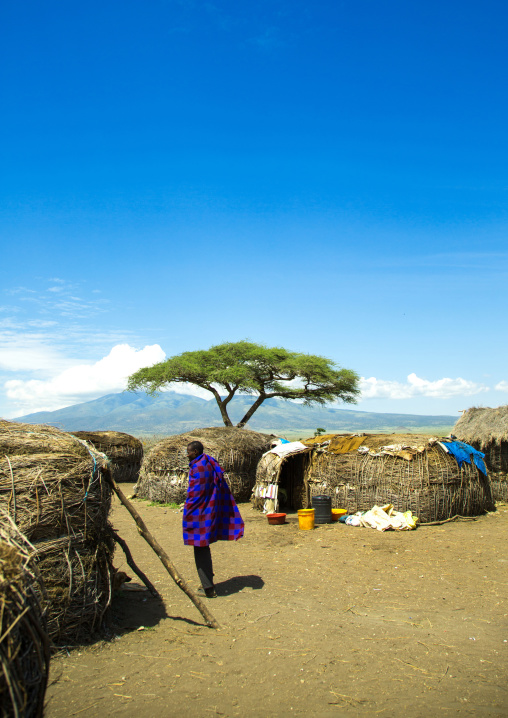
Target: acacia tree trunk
(251,411)
(225,418)
(222,403)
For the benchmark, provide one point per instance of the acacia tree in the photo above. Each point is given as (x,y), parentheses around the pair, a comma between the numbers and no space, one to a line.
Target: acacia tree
(251,369)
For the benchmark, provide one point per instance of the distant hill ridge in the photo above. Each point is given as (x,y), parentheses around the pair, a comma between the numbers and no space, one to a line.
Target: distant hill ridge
(173,413)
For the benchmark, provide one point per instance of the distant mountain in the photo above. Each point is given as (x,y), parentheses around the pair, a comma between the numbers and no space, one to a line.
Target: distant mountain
(172,413)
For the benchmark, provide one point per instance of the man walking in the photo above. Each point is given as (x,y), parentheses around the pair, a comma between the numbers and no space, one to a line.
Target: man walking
(210,513)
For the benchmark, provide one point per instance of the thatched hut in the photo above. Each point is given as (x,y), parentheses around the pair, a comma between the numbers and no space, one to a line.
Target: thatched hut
(165,469)
(124,452)
(487,430)
(24,643)
(52,486)
(411,472)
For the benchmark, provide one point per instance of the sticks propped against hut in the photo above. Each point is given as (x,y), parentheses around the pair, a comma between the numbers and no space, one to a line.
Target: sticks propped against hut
(53,488)
(487,430)
(165,469)
(124,451)
(414,473)
(24,644)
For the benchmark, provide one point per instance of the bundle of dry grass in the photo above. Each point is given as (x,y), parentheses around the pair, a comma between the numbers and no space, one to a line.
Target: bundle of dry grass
(52,486)
(487,430)
(424,479)
(24,644)
(165,469)
(124,452)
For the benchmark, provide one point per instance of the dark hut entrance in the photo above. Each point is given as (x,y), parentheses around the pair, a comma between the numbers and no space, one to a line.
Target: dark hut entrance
(292,487)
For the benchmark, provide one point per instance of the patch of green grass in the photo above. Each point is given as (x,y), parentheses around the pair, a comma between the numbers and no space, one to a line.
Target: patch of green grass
(170,505)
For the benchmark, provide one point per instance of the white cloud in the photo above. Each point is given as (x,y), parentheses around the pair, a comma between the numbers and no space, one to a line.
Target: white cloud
(446,388)
(32,352)
(501,386)
(41,323)
(192,390)
(82,382)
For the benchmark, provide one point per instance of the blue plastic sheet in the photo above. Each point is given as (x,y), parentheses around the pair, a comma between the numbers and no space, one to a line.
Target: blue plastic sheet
(463,453)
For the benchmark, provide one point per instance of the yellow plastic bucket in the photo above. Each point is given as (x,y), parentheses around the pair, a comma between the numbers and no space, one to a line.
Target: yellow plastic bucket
(337,513)
(306,519)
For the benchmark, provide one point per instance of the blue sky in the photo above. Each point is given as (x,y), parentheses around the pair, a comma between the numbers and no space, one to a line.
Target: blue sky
(328,176)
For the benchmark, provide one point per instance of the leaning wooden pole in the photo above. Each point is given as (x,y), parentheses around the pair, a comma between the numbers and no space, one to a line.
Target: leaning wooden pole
(133,564)
(164,558)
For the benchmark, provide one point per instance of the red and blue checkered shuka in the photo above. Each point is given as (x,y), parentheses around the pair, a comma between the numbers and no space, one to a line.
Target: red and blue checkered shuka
(210,513)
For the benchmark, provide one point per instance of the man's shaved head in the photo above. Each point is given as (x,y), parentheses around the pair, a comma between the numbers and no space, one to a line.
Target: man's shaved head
(196,448)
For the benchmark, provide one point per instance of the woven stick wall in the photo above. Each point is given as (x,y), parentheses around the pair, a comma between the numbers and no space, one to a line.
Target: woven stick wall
(52,486)
(499,483)
(165,469)
(24,644)
(431,485)
(124,451)
(496,460)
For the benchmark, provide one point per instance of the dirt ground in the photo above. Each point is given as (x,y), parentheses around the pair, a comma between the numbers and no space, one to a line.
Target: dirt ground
(339,621)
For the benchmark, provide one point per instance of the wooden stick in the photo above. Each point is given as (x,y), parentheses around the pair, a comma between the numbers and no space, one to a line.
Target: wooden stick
(163,556)
(133,565)
(446,521)
(13,489)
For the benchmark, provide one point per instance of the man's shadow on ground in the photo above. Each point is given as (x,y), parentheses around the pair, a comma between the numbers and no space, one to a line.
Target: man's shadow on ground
(238,583)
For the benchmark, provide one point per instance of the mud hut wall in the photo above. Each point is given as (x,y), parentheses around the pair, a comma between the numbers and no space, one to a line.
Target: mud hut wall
(53,487)
(499,482)
(45,494)
(431,485)
(496,460)
(487,430)
(77,581)
(496,457)
(293,478)
(24,644)
(164,471)
(268,472)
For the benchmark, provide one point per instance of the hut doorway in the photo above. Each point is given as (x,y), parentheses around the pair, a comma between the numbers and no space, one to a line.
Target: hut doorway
(292,485)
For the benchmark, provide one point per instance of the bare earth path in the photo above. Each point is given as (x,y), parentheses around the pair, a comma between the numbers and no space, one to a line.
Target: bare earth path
(339,621)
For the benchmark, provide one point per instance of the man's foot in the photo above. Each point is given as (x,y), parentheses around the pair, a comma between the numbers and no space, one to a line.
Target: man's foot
(207,592)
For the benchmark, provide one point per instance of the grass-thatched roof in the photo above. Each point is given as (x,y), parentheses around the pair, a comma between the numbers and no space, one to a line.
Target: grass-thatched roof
(112,440)
(481,426)
(124,451)
(217,438)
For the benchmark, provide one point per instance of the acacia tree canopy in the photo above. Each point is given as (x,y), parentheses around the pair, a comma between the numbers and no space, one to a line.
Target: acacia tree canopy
(251,368)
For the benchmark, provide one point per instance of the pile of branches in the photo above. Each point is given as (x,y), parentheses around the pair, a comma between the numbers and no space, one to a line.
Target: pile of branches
(24,644)
(52,486)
